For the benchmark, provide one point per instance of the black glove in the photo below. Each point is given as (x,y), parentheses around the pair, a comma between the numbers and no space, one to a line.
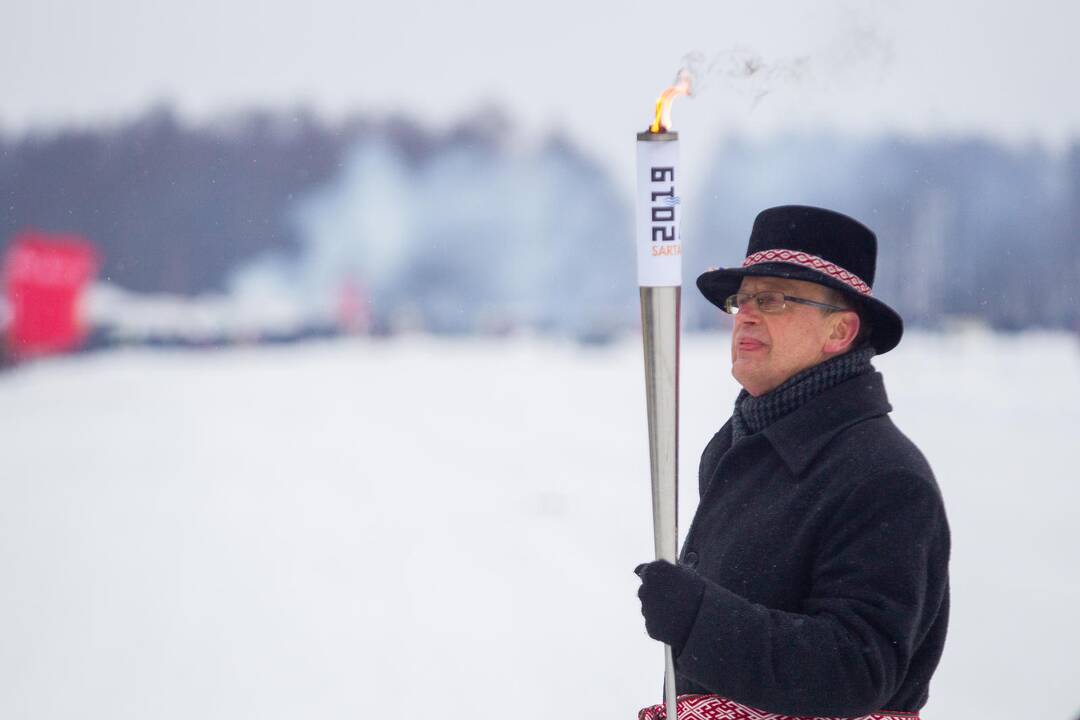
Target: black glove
(670,597)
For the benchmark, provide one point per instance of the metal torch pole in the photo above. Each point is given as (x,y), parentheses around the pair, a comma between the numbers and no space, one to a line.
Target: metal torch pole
(660,279)
(660,335)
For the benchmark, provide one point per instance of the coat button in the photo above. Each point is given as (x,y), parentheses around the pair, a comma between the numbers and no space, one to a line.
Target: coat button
(691,559)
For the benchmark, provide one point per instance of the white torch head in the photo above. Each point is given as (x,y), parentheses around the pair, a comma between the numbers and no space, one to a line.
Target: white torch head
(659,245)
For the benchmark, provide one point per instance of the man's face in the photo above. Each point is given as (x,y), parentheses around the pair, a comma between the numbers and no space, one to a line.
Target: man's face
(768,348)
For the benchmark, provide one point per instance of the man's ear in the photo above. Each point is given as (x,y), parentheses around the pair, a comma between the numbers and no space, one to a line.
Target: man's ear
(844,328)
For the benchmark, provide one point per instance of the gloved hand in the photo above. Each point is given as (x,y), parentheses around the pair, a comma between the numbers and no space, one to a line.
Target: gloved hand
(670,597)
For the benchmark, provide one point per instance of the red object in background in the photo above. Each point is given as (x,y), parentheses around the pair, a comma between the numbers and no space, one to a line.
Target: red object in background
(353,311)
(44,279)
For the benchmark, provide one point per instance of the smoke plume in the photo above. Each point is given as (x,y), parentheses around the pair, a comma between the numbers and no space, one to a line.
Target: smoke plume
(856,51)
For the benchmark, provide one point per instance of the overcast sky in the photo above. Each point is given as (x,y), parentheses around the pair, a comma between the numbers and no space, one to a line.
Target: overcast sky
(1005,69)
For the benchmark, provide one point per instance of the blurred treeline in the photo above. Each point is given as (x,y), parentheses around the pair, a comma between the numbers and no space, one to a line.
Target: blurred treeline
(966,227)
(463,229)
(176,208)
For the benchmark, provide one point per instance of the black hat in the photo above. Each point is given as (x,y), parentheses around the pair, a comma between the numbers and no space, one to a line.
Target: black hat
(818,245)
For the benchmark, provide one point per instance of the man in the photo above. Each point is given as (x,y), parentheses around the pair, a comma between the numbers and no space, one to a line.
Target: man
(814,577)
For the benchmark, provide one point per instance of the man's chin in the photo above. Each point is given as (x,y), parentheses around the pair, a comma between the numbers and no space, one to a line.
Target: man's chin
(743,370)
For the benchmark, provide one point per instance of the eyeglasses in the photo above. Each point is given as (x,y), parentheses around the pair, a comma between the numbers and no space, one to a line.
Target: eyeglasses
(770,301)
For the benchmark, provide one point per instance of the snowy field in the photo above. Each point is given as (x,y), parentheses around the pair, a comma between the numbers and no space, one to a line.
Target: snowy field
(425,528)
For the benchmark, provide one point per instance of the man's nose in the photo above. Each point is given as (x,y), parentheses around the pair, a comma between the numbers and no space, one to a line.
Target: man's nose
(748,313)
(742,320)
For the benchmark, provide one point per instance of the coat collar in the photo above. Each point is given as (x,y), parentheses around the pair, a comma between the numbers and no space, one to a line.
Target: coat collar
(800,435)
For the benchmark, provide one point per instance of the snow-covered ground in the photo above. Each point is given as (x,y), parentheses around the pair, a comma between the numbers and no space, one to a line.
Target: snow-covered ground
(430,528)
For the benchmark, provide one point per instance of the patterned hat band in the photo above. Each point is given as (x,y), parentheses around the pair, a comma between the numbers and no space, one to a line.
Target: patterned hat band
(796,257)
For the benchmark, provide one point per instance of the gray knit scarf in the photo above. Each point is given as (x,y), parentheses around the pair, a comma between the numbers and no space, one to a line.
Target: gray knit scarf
(754,414)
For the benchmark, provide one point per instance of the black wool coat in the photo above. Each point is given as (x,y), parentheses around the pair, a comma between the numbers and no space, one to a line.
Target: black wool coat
(825,547)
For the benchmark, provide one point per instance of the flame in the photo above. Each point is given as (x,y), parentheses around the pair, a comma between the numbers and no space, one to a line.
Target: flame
(662,122)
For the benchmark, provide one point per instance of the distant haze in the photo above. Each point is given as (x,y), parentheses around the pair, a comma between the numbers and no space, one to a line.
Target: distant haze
(1001,69)
(464,231)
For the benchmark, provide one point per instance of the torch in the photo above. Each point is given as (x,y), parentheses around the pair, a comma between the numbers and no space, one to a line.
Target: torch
(659,265)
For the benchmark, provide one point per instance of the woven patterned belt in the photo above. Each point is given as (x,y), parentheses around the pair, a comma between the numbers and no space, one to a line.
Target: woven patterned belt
(716,707)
